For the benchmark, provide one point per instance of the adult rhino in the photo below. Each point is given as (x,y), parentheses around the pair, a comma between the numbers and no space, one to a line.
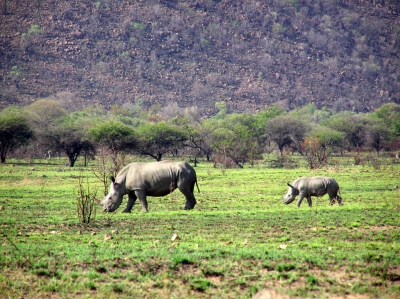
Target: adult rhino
(140,180)
(312,186)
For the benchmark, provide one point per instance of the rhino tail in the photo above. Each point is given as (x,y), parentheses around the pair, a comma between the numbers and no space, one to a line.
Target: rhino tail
(197,186)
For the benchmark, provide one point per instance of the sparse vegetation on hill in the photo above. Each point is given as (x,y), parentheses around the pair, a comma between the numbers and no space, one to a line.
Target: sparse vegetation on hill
(250,54)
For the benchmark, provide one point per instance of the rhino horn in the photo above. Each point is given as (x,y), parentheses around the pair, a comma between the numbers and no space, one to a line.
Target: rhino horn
(112,179)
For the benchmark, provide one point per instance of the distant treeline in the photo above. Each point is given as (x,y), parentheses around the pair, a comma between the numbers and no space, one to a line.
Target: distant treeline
(235,139)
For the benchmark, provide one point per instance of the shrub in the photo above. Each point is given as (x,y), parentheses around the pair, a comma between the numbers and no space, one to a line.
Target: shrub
(201,285)
(85,201)
(35,29)
(312,281)
(285,267)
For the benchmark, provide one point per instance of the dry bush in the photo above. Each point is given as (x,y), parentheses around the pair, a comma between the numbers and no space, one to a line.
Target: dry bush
(374,161)
(315,152)
(223,161)
(85,201)
(105,169)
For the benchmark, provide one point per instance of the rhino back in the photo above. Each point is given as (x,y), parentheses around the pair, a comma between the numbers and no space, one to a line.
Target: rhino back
(316,186)
(155,177)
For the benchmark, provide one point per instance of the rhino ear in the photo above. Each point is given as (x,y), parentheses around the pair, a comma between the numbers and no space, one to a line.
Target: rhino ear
(112,179)
(291,186)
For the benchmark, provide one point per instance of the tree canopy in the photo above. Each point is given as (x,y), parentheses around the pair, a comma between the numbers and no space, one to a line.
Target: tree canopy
(14,131)
(114,136)
(68,136)
(287,131)
(155,140)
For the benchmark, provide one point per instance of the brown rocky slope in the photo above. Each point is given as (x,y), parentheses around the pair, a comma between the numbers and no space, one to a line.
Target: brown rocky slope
(251,54)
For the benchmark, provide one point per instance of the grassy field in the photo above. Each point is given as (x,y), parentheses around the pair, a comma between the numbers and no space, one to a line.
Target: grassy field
(239,240)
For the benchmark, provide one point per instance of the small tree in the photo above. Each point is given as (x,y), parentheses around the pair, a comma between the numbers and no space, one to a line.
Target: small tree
(14,131)
(68,136)
(156,140)
(196,143)
(58,131)
(317,147)
(199,140)
(72,141)
(390,114)
(377,135)
(265,115)
(42,114)
(222,109)
(113,136)
(287,131)
(353,126)
(234,138)
(314,153)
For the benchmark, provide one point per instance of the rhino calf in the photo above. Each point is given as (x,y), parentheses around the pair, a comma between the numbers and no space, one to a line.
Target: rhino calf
(318,186)
(140,180)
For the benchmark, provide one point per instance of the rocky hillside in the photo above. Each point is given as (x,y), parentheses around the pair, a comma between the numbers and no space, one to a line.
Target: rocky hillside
(343,54)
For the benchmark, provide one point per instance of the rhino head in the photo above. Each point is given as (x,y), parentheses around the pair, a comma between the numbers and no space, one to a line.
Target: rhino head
(113,199)
(291,194)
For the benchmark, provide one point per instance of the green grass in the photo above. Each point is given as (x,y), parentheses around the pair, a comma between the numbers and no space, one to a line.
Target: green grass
(239,239)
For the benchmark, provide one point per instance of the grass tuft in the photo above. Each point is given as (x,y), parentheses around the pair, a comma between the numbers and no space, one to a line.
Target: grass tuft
(201,285)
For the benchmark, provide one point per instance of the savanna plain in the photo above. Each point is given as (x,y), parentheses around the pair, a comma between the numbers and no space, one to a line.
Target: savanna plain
(240,241)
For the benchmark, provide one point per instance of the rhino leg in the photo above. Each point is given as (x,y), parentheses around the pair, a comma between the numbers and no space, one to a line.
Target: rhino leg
(142,198)
(131,201)
(335,197)
(339,200)
(309,201)
(302,196)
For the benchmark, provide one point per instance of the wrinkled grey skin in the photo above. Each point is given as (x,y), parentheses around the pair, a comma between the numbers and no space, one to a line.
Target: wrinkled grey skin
(312,186)
(140,180)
